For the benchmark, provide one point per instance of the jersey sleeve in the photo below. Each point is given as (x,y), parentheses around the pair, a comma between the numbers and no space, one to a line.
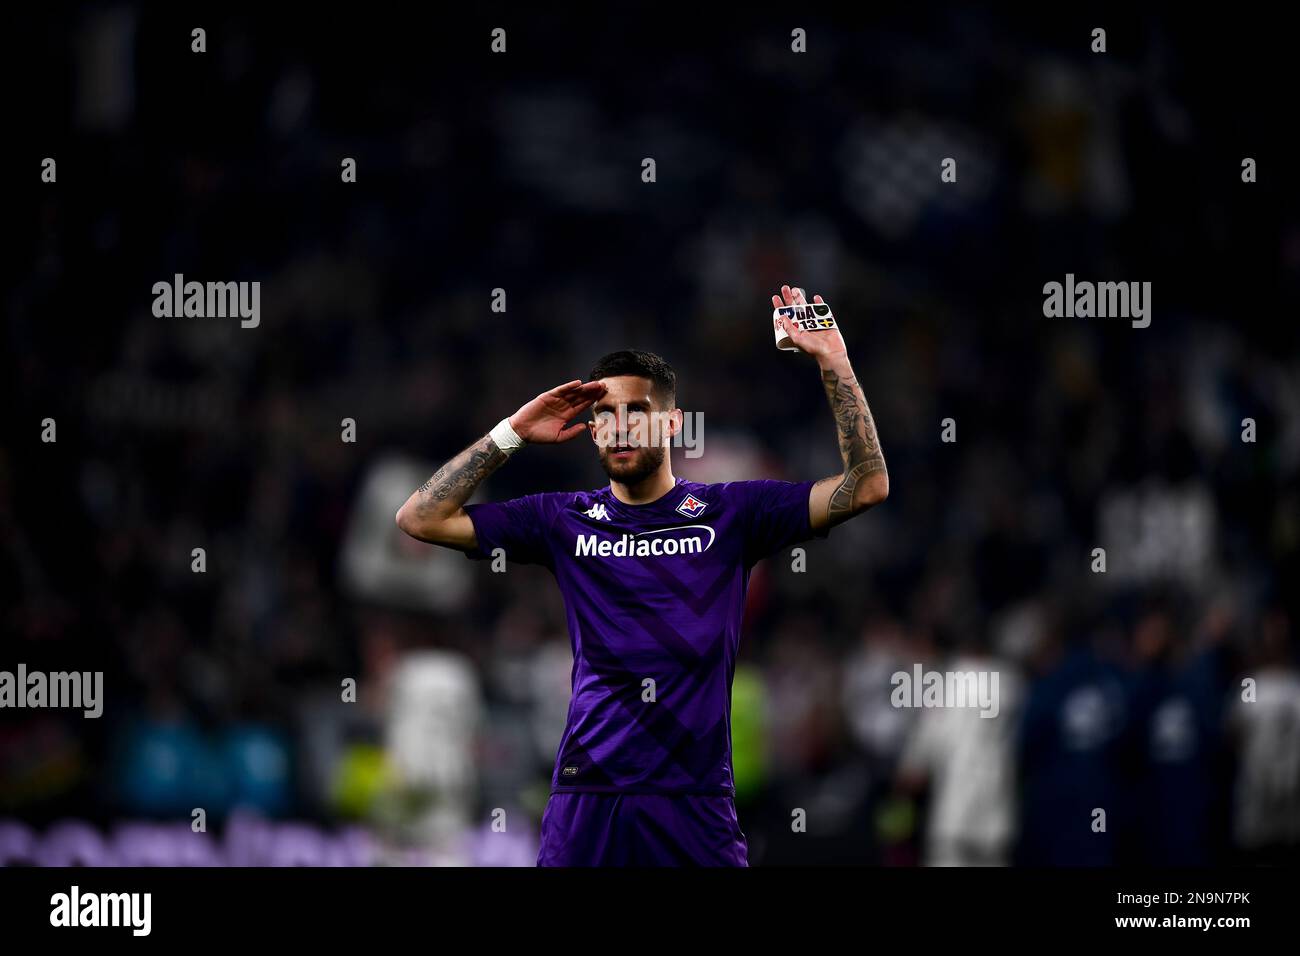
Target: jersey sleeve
(519,526)
(777,515)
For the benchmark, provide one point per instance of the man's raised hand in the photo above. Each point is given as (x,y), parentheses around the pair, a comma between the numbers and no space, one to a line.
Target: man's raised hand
(822,343)
(542,421)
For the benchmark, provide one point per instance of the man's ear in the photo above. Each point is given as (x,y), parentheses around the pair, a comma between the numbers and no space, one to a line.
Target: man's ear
(675,428)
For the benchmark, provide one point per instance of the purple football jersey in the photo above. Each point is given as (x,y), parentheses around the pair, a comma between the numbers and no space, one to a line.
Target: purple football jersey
(654,596)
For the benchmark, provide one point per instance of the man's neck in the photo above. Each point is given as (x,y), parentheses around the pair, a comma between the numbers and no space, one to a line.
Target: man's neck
(648,489)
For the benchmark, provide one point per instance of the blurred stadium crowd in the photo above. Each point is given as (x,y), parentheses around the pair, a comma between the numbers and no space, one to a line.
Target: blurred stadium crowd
(1120,690)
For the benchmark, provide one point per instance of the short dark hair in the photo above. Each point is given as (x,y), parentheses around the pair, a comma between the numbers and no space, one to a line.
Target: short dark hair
(643,364)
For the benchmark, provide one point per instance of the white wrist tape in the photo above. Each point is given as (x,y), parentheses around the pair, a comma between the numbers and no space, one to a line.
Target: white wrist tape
(505,437)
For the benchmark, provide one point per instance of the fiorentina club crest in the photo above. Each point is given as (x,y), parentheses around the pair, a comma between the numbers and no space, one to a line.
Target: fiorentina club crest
(691,506)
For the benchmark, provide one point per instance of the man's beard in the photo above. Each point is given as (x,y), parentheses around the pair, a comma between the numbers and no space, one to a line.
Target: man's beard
(632,472)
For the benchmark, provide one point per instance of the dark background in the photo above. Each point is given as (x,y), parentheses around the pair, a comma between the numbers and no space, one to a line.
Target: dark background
(522,171)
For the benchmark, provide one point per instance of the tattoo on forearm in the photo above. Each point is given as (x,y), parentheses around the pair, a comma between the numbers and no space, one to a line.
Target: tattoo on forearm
(859,444)
(456,480)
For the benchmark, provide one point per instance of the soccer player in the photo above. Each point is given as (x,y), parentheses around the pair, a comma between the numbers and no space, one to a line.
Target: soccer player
(653,570)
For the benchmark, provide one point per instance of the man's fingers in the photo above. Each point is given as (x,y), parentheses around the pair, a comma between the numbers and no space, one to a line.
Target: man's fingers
(561,391)
(586,394)
(793,295)
(573,431)
(582,399)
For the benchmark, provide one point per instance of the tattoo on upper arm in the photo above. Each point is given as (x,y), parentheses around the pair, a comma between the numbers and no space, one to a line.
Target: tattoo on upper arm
(859,444)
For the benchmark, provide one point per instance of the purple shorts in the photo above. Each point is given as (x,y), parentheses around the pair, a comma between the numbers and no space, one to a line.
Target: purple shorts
(631,829)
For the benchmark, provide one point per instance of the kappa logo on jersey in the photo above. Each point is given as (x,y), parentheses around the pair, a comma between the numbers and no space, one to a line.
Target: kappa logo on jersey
(597,511)
(691,506)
